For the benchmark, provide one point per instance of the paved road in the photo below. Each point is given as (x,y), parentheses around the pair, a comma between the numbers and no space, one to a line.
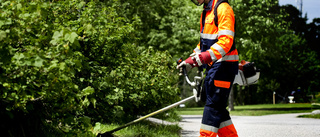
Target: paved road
(280,125)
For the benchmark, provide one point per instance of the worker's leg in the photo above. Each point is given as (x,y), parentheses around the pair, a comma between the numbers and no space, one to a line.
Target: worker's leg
(226,128)
(228,131)
(216,120)
(217,87)
(210,122)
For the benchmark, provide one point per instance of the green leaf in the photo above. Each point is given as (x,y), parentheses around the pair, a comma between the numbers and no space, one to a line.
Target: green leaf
(62,66)
(18,56)
(54,64)
(57,35)
(1,23)
(87,91)
(3,35)
(86,102)
(6,85)
(19,6)
(38,62)
(97,127)
(73,36)
(8,22)
(93,101)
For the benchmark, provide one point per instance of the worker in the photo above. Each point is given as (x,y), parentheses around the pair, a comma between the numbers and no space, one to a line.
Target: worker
(216,53)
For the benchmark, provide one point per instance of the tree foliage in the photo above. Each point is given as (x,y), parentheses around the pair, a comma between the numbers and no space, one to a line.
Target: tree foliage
(69,64)
(272,37)
(167,25)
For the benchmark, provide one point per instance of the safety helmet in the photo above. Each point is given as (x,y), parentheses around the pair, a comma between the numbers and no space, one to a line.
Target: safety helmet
(196,2)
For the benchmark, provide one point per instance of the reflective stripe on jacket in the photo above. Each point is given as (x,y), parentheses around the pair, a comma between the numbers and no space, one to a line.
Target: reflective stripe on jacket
(218,41)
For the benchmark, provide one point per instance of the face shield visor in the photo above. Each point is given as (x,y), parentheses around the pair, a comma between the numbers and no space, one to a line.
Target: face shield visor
(196,2)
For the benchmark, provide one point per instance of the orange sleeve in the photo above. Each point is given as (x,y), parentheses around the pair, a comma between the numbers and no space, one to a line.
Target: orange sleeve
(226,23)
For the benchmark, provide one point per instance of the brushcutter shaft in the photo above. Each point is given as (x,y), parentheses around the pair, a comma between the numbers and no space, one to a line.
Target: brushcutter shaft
(149,115)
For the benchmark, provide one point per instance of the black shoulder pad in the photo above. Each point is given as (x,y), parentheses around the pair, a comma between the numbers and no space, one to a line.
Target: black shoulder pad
(215,11)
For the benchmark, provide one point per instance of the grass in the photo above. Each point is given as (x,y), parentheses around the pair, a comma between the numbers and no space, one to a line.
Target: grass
(256,110)
(141,129)
(149,129)
(317,116)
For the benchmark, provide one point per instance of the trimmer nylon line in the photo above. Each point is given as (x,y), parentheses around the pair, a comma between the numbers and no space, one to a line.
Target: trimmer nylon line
(151,114)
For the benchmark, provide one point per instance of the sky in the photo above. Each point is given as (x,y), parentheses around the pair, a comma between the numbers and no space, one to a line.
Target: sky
(311,7)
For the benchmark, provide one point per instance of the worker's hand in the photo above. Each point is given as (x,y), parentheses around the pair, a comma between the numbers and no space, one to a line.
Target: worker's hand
(196,57)
(188,64)
(195,60)
(201,58)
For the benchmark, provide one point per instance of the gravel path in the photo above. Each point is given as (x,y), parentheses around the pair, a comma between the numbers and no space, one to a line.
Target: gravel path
(280,125)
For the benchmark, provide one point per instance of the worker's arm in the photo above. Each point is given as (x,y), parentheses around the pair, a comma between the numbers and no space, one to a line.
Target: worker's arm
(226,23)
(197,49)
(225,37)
(219,49)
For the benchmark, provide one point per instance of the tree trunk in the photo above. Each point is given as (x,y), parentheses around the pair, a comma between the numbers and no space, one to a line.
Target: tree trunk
(231,99)
(240,96)
(184,92)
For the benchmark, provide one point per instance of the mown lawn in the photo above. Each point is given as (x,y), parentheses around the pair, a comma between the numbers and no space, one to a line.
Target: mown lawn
(317,116)
(148,129)
(256,110)
(141,129)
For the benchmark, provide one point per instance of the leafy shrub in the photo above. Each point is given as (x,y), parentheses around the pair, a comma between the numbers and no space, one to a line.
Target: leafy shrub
(317,97)
(68,64)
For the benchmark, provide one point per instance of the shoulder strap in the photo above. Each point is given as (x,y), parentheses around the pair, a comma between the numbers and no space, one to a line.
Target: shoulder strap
(215,11)
(216,20)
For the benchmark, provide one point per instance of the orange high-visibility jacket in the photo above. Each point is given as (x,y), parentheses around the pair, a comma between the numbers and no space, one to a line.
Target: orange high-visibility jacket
(218,40)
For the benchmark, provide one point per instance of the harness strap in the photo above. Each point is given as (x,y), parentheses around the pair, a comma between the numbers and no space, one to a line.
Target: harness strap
(216,21)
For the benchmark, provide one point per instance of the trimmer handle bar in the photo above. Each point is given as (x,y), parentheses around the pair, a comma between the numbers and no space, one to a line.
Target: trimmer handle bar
(197,79)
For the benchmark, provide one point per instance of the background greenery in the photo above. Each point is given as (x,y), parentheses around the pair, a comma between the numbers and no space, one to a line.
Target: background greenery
(66,66)
(69,64)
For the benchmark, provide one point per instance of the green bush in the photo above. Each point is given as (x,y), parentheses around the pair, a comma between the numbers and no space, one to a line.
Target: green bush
(317,98)
(69,64)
